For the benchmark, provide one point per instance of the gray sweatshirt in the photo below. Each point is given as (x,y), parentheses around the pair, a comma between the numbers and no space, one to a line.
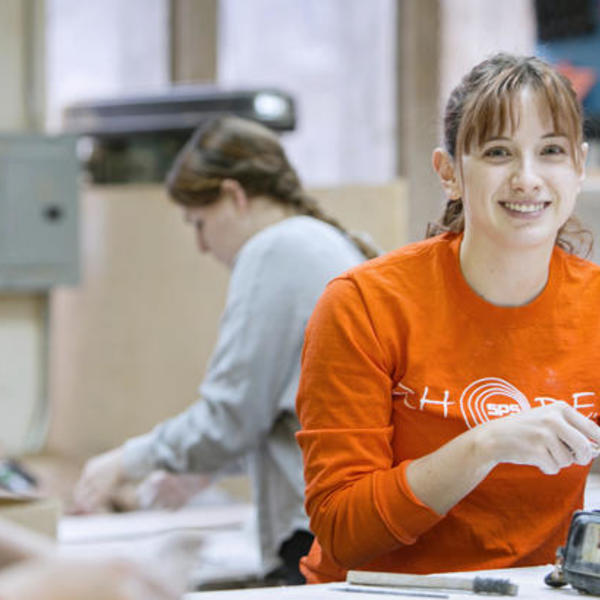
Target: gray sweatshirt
(247,400)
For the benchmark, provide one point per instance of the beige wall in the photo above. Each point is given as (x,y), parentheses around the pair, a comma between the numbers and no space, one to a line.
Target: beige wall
(14,43)
(22,316)
(473,30)
(194,29)
(129,346)
(22,368)
(438,41)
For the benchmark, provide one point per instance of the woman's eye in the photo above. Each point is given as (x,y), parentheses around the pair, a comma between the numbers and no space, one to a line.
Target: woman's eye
(553,149)
(497,152)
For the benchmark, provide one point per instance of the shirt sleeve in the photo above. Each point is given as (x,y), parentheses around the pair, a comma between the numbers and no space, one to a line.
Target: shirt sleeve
(259,342)
(357,496)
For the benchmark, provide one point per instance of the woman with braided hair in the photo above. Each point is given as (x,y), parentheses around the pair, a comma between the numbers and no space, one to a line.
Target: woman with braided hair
(238,190)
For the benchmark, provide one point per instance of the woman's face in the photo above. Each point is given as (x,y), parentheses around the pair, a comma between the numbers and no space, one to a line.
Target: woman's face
(217,228)
(519,188)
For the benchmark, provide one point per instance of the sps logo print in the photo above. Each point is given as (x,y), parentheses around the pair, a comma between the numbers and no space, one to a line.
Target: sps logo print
(489,398)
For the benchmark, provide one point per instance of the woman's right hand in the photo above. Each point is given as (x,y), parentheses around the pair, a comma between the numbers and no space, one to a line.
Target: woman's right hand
(550,437)
(99,480)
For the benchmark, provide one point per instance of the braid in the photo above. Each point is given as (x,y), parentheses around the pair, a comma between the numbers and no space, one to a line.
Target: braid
(281,183)
(574,238)
(453,219)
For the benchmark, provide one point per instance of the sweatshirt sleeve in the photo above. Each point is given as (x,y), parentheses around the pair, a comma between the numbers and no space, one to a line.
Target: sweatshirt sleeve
(260,337)
(357,496)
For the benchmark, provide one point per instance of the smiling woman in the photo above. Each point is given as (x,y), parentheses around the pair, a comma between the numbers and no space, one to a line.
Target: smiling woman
(449,395)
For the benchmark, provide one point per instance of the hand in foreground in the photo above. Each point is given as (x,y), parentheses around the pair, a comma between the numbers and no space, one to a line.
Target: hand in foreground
(100,478)
(551,438)
(170,490)
(68,579)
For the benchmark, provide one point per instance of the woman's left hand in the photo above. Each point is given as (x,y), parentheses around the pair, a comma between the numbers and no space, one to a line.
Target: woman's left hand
(99,480)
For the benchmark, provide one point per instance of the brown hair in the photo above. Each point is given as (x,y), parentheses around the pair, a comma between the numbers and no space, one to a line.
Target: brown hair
(483,105)
(228,147)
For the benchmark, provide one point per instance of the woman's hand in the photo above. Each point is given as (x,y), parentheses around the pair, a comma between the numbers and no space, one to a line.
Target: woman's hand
(99,480)
(551,438)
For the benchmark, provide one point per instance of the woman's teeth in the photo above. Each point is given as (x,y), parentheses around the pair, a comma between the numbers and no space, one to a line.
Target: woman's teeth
(524,208)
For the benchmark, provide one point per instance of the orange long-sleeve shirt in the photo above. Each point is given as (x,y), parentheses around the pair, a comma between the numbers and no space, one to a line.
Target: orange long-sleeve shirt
(400,357)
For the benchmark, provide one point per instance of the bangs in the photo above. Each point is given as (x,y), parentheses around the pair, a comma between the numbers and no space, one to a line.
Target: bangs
(494,111)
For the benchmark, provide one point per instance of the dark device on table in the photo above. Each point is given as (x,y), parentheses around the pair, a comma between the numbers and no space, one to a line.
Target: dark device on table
(16,478)
(578,561)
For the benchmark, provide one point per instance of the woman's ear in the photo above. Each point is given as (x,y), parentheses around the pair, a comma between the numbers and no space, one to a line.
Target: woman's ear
(443,165)
(233,189)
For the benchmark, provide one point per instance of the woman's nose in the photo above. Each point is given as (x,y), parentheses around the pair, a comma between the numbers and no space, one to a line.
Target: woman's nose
(525,179)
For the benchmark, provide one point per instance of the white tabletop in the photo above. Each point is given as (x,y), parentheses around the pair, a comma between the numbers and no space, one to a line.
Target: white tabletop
(530,581)
(192,546)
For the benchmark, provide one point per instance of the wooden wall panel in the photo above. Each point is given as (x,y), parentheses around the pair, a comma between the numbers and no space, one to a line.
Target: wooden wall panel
(129,345)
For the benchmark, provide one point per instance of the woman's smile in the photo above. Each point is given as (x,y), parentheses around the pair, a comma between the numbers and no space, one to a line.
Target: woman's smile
(524,210)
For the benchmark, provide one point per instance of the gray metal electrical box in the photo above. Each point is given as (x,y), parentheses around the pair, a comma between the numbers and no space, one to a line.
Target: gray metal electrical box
(38,211)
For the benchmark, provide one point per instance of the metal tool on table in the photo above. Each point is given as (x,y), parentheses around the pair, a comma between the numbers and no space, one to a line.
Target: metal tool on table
(578,561)
(389,591)
(477,585)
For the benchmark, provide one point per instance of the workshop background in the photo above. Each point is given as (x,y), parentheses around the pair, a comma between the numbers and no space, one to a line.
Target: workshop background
(103,339)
